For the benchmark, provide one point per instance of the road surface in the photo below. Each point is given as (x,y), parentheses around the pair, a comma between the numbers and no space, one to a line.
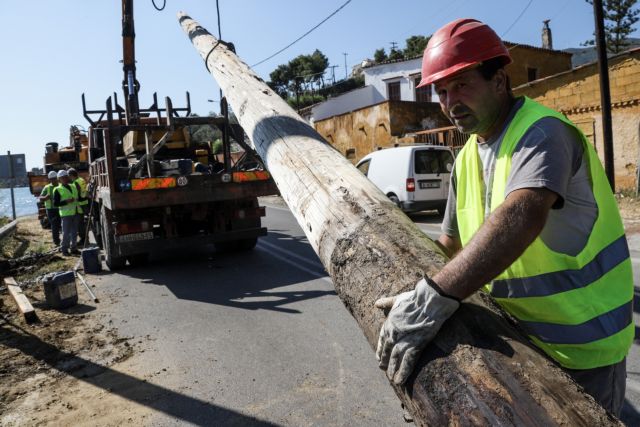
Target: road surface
(261,339)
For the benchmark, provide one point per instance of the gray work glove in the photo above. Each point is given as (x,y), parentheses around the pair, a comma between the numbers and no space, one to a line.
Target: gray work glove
(414,320)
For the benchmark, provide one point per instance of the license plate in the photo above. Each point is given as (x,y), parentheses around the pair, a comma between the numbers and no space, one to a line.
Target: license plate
(429,184)
(134,237)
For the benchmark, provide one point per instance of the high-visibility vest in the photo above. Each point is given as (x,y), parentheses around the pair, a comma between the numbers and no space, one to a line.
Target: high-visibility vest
(67,193)
(48,191)
(577,309)
(83,193)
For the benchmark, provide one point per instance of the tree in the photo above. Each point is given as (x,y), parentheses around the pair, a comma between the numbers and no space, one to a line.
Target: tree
(304,70)
(415,46)
(380,55)
(619,17)
(396,55)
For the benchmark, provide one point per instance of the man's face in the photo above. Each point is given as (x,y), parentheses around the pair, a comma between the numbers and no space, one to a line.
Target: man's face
(53,181)
(64,180)
(470,102)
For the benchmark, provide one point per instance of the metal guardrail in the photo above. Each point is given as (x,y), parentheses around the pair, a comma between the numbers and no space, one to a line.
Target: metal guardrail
(447,136)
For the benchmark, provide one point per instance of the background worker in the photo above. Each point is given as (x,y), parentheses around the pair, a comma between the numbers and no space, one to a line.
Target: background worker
(530,217)
(53,215)
(65,197)
(83,202)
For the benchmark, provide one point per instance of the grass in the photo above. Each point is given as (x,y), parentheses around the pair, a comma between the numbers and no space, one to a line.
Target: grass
(4,220)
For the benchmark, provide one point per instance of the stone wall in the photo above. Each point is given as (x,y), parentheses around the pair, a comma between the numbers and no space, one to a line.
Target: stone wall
(362,131)
(546,62)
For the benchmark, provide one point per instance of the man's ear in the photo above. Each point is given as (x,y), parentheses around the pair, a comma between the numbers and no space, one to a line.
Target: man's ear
(501,80)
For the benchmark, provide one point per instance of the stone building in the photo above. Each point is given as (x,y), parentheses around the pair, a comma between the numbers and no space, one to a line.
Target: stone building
(386,124)
(576,93)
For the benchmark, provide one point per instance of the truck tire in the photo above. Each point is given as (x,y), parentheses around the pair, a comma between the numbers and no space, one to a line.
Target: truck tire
(138,260)
(236,245)
(112,261)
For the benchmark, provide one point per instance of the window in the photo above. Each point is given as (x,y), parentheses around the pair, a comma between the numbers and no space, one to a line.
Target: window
(351,153)
(532,74)
(393,91)
(423,94)
(432,161)
(364,167)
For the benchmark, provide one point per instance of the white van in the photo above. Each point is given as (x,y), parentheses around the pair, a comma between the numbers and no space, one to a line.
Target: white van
(415,177)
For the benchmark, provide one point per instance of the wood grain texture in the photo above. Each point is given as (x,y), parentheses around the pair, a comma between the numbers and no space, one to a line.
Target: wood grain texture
(21,300)
(479,370)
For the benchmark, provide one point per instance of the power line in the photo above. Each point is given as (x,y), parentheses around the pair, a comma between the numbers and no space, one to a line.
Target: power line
(159,8)
(218,13)
(517,19)
(304,35)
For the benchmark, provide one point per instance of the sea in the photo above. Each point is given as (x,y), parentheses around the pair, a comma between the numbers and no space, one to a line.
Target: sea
(25,202)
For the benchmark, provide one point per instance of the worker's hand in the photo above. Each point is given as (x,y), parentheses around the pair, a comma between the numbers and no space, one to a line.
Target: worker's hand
(414,320)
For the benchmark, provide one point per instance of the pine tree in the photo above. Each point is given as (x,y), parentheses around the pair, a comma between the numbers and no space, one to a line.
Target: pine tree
(619,18)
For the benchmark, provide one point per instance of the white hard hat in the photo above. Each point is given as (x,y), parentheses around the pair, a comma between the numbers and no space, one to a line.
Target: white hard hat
(52,175)
(62,173)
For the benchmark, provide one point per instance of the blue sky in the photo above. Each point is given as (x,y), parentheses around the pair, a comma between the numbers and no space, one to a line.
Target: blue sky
(53,51)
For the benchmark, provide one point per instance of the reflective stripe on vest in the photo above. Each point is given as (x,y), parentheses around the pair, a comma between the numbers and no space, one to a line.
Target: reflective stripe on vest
(70,208)
(48,191)
(577,309)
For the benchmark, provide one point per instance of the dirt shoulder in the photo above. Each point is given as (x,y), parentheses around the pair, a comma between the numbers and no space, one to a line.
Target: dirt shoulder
(59,370)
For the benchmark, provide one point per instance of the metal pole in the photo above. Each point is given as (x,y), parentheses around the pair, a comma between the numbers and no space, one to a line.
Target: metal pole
(13,200)
(345,65)
(605,94)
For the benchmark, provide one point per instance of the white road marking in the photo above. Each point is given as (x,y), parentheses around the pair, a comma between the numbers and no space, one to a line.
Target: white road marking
(286,252)
(293,263)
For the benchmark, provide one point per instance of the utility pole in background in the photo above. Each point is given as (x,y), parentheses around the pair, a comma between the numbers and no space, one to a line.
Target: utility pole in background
(13,200)
(333,73)
(394,45)
(345,65)
(605,94)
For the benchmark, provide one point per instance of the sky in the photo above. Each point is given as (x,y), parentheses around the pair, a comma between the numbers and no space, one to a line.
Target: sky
(53,51)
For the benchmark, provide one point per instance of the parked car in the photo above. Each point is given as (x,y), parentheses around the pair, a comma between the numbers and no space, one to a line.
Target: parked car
(415,177)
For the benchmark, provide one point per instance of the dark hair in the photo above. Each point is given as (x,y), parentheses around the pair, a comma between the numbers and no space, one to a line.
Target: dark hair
(490,67)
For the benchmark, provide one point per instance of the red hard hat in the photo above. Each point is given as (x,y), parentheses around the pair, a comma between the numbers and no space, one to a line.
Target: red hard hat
(458,46)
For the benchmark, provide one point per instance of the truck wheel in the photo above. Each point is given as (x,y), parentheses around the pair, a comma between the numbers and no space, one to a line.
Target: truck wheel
(138,260)
(236,245)
(112,261)
(247,244)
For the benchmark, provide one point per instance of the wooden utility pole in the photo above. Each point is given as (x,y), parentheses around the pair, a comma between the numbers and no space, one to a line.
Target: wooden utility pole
(479,370)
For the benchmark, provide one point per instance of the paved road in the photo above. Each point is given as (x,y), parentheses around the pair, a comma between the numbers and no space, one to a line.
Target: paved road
(258,341)
(264,341)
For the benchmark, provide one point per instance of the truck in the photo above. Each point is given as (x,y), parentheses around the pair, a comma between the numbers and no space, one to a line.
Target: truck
(152,186)
(56,157)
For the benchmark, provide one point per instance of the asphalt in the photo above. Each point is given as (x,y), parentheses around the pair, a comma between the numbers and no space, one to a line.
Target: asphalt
(252,339)
(262,339)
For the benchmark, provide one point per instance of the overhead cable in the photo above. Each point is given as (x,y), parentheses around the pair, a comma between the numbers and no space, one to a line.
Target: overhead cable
(304,35)
(164,3)
(517,19)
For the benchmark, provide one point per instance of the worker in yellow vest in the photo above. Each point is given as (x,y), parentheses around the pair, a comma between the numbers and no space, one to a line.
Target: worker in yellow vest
(65,198)
(83,202)
(46,196)
(530,219)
